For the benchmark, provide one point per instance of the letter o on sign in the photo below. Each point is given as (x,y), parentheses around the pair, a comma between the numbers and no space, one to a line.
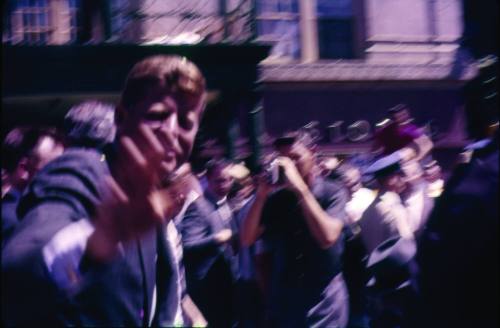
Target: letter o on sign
(358,131)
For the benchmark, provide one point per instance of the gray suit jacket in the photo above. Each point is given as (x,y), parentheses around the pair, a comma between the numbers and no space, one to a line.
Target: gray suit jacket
(198,228)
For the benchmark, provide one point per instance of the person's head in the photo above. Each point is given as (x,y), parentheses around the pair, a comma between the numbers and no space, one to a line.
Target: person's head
(90,124)
(219,179)
(400,114)
(295,149)
(327,165)
(413,172)
(394,182)
(26,150)
(432,171)
(387,171)
(243,185)
(350,176)
(166,93)
(247,185)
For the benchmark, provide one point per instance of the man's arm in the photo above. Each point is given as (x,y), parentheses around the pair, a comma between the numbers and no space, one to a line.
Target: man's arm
(325,229)
(195,232)
(420,146)
(193,316)
(40,265)
(251,228)
(424,146)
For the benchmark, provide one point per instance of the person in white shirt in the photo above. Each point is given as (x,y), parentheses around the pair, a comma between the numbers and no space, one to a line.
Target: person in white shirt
(416,199)
(387,216)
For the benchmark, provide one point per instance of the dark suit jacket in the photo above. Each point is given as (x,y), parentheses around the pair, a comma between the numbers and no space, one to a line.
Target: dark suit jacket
(201,252)
(210,267)
(9,218)
(458,250)
(111,294)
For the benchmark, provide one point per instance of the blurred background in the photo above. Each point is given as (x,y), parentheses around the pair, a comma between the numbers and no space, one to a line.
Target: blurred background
(329,67)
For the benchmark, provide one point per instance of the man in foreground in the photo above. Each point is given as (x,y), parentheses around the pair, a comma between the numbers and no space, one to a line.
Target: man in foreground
(91,247)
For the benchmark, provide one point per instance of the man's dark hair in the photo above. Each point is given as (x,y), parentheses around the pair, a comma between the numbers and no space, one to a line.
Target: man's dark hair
(216,164)
(175,74)
(21,141)
(285,140)
(295,137)
(396,109)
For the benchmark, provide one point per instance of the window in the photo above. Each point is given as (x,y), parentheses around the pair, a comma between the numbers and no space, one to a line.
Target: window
(73,25)
(29,22)
(40,22)
(278,24)
(335,29)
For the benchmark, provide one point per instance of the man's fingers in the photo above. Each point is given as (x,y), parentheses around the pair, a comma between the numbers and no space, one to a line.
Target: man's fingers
(284,161)
(150,145)
(108,218)
(133,155)
(115,190)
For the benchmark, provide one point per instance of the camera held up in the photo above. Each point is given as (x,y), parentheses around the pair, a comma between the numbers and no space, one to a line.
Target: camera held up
(274,173)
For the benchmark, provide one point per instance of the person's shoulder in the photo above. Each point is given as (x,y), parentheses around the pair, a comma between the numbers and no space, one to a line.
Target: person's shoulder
(199,207)
(328,188)
(74,177)
(79,157)
(77,161)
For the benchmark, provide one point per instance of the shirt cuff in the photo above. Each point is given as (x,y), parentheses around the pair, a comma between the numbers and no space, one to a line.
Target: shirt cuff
(63,253)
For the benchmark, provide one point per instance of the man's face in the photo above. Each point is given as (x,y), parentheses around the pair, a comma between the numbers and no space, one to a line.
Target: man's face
(301,156)
(394,182)
(352,179)
(220,182)
(413,171)
(46,150)
(174,120)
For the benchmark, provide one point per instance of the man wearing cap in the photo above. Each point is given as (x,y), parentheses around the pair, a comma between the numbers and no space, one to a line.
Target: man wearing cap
(416,199)
(302,223)
(387,216)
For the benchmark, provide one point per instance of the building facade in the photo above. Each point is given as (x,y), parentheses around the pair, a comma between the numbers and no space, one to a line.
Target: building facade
(336,66)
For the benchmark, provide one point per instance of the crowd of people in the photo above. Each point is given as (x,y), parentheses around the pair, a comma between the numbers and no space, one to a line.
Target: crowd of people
(107,223)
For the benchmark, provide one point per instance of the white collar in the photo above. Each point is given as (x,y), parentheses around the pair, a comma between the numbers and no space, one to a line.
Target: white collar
(221,201)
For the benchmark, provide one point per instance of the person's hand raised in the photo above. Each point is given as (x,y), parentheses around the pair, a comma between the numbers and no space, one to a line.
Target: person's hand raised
(294,180)
(223,236)
(133,203)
